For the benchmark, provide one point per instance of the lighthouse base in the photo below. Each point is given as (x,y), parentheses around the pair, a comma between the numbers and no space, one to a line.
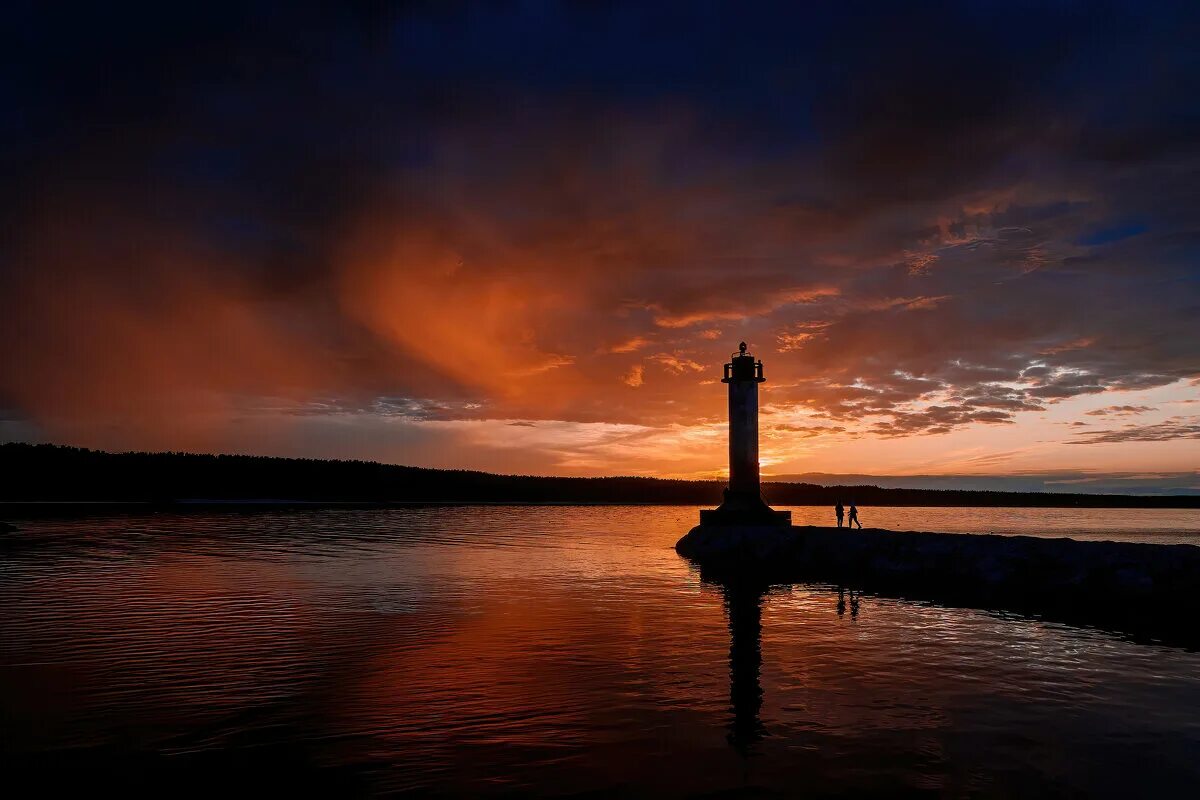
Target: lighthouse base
(744,509)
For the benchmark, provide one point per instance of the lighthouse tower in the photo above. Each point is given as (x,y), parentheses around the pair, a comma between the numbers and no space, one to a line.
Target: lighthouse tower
(743,503)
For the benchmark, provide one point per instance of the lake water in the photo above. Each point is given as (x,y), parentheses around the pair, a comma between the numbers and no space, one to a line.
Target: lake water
(555,651)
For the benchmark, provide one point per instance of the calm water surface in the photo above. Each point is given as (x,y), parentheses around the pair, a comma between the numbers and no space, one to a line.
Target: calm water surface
(556,651)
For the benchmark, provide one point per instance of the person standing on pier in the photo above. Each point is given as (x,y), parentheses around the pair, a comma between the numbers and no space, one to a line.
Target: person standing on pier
(841,512)
(853,517)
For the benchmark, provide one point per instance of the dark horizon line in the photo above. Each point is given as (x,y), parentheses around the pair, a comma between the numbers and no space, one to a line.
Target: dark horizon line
(46,473)
(790,478)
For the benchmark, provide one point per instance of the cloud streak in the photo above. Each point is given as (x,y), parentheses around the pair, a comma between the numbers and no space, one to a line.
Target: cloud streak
(1172,430)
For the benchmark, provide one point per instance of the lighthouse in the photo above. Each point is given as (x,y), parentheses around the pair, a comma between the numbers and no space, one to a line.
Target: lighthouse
(743,503)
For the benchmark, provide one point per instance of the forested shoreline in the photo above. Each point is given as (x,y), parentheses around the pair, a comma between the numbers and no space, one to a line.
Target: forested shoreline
(53,473)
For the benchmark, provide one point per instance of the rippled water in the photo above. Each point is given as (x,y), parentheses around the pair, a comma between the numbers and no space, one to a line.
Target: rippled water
(552,651)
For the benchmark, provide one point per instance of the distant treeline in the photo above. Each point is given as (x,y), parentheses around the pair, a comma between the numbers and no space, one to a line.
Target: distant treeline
(71,474)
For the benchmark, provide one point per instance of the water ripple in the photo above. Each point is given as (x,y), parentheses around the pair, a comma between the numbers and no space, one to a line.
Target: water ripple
(556,651)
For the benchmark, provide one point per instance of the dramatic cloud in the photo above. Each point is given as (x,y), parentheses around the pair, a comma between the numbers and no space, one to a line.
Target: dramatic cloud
(421,226)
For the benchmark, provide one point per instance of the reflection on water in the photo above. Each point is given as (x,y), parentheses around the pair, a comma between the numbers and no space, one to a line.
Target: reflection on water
(855,599)
(546,651)
(743,608)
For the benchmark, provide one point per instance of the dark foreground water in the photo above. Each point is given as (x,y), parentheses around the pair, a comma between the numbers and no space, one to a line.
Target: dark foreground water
(554,651)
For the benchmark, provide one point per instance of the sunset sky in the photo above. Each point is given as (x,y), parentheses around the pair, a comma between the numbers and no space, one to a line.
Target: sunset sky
(523,237)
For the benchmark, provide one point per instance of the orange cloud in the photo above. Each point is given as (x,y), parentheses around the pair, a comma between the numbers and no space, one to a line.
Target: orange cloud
(799,334)
(628,345)
(734,307)
(677,364)
(136,337)
(1066,347)
(477,324)
(907,303)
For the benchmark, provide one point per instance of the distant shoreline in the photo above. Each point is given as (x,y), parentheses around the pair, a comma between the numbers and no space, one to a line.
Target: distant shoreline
(43,479)
(72,509)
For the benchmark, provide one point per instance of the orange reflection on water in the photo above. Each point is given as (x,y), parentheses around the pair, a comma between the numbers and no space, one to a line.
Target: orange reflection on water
(548,650)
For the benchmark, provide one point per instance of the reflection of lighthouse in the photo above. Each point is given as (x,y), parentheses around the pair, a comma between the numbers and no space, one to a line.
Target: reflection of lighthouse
(743,504)
(743,605)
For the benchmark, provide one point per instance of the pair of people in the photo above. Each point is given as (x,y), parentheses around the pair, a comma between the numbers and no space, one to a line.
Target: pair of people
(841,512)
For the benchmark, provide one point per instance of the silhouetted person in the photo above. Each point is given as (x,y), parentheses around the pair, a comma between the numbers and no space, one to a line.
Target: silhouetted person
(841,512)
(854,517)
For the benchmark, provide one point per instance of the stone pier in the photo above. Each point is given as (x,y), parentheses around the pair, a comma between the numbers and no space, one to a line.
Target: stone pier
(1149,590)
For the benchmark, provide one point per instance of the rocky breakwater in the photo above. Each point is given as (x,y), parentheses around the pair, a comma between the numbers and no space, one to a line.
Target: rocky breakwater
(1151,591)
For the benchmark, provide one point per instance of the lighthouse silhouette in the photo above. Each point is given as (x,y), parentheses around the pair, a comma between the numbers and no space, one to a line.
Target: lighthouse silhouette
(743,503)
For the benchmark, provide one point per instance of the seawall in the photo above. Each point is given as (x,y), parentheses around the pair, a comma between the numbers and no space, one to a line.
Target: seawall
(1149,590)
